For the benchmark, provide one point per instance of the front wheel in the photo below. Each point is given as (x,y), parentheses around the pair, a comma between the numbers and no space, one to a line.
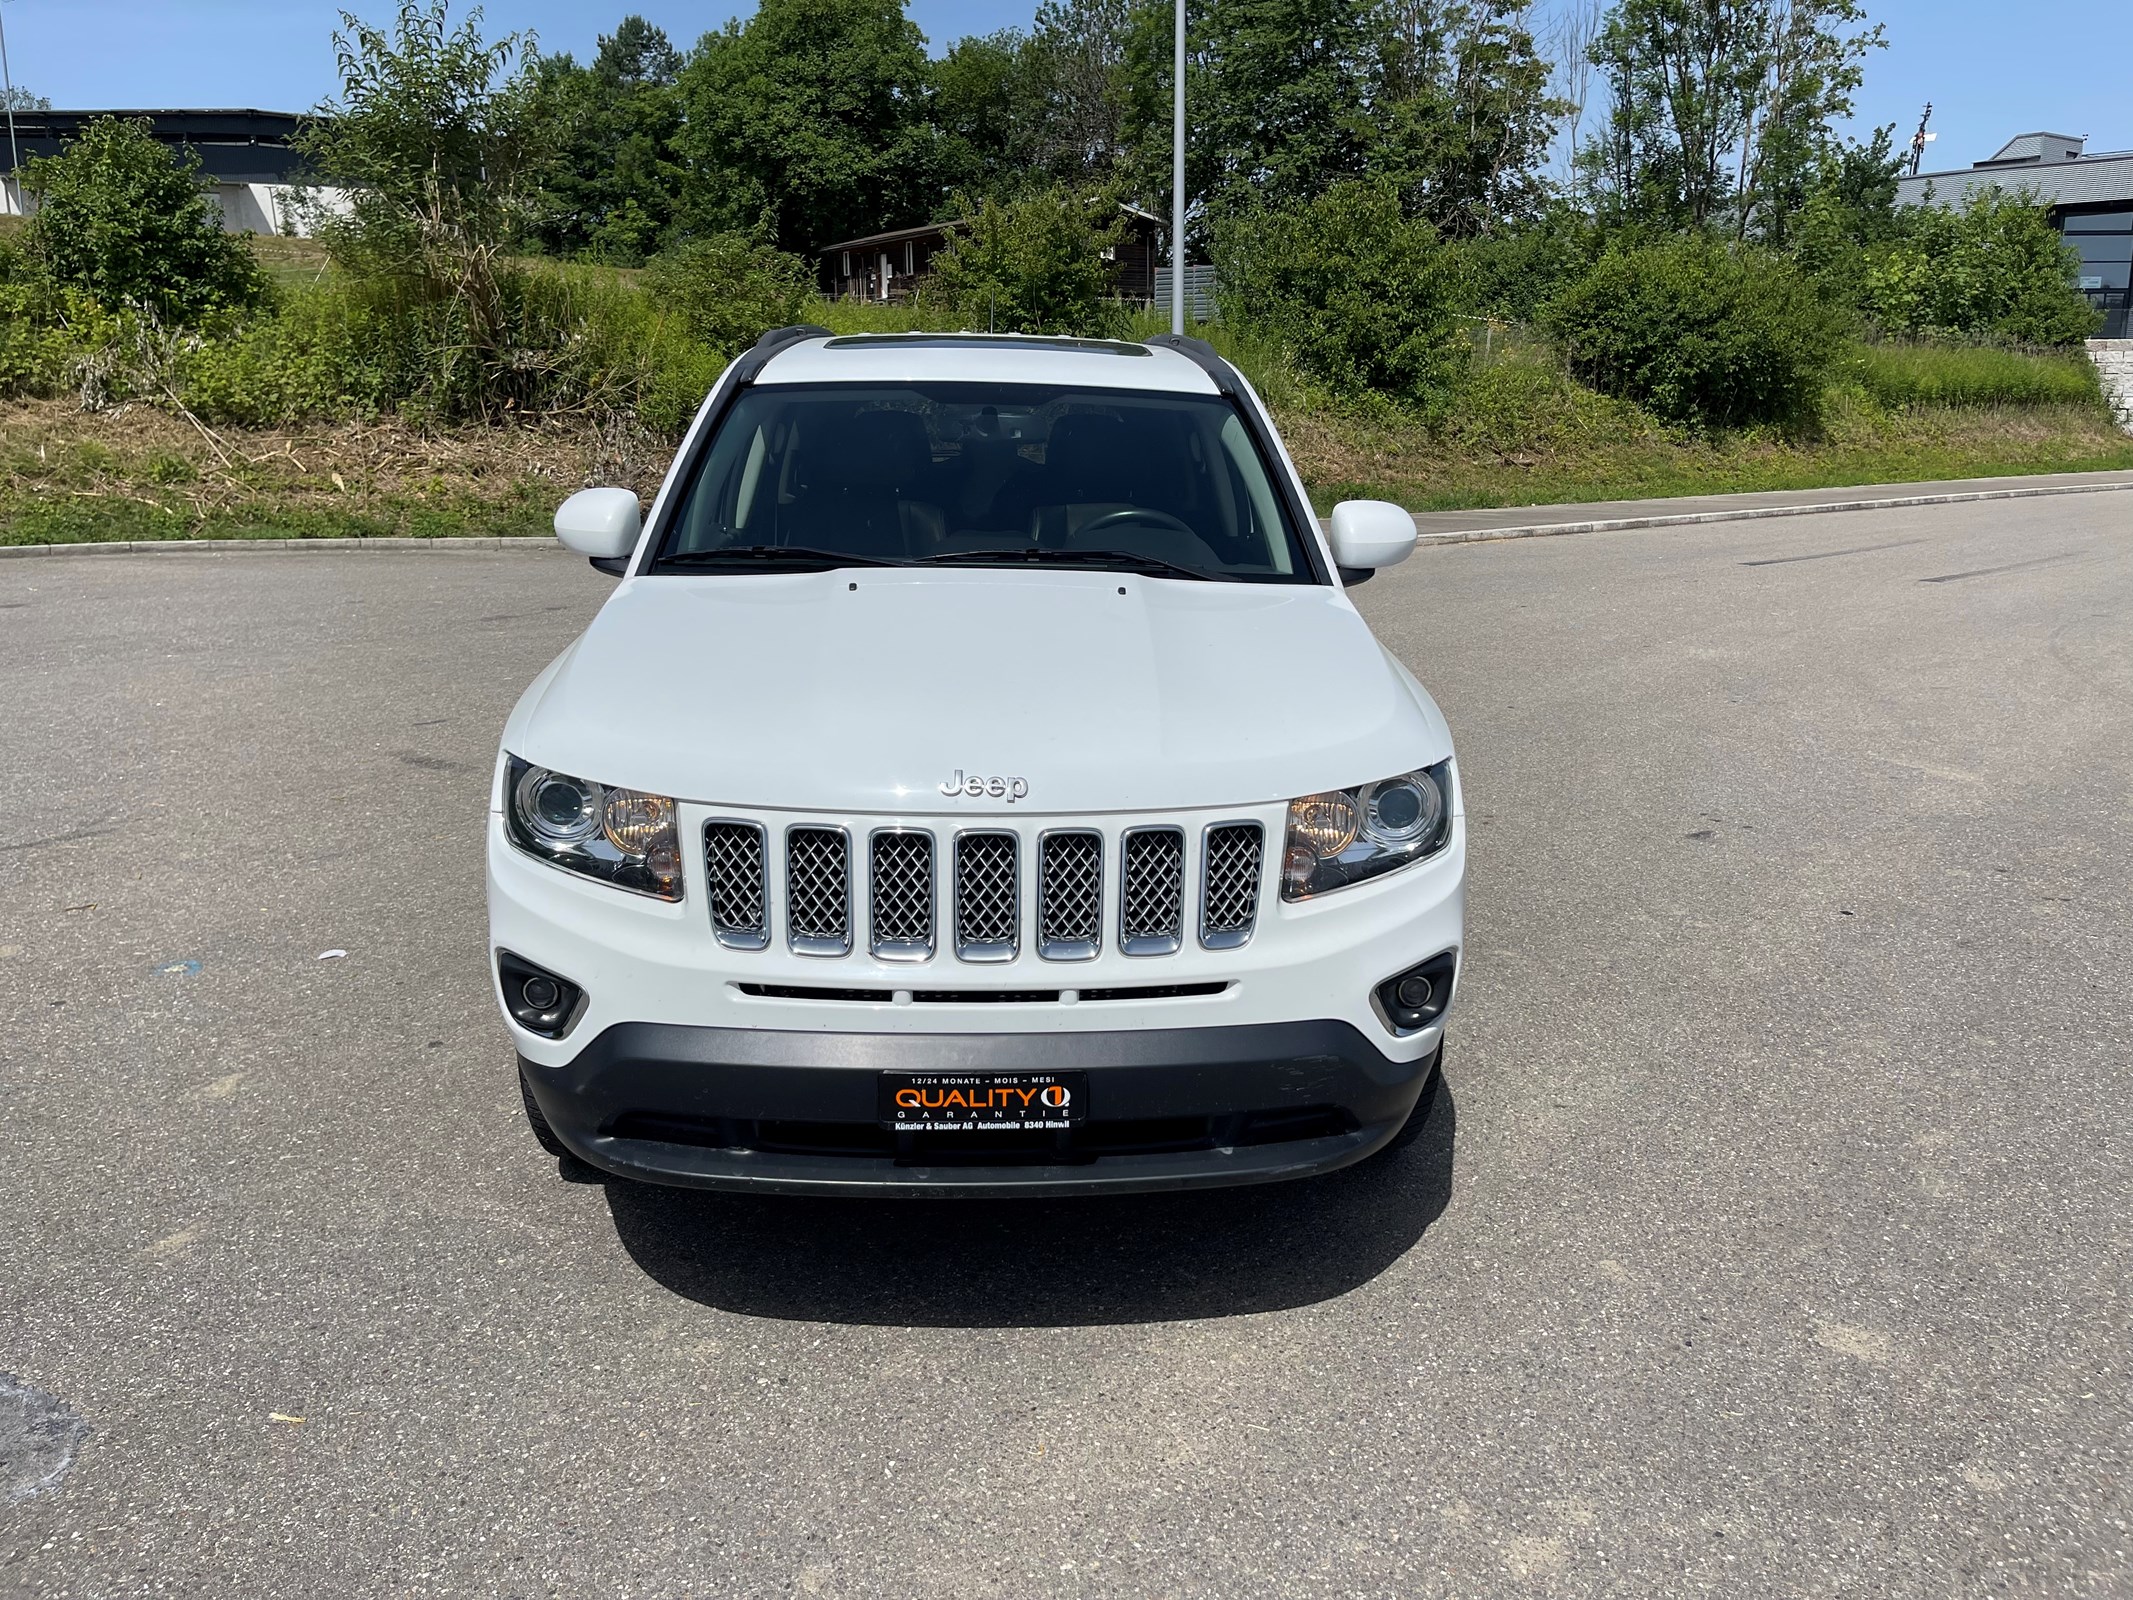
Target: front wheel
(569,1167)
(1418,1119)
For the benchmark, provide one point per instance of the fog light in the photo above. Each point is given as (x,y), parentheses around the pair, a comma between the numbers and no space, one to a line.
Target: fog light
(1414,999)
(539,1001)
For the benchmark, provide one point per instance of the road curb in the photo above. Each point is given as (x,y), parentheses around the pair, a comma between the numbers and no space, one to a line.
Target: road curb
(538,544)
(1686,519)
(453,545)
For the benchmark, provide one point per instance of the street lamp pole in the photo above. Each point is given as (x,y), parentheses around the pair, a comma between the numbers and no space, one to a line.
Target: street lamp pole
(1177,180)
(7,86)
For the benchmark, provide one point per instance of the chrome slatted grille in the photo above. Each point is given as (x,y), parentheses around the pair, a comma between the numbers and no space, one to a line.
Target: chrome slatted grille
(1229,884)
(818,891)
(734,869)
(988,897)
(1070,895)
(900,896)
(1151,897)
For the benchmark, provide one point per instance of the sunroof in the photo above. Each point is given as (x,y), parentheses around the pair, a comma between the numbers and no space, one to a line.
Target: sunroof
(981,341)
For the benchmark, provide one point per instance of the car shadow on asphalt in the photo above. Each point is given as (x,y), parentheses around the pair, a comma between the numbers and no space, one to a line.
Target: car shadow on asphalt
(1042,1263)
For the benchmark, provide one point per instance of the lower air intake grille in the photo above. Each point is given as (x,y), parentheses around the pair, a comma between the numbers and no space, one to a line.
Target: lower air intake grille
(1229,884)
(900,891)
(1151,901)
(818,891)
(733,867)
(988,897)
(1070,896)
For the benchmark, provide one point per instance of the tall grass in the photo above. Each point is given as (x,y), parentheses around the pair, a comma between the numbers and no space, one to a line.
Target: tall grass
(1901,377)
(615,347)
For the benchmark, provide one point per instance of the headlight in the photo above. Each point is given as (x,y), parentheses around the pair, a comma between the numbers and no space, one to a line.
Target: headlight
(621,836)
(1346,835)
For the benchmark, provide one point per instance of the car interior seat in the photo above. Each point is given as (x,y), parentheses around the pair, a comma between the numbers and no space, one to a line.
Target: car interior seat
(1097,465)
(866,490)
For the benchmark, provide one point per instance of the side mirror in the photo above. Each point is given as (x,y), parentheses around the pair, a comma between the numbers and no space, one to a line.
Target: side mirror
(1369,534)
(601,525)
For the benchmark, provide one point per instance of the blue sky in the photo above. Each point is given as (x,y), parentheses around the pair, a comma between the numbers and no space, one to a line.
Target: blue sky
(1988,74)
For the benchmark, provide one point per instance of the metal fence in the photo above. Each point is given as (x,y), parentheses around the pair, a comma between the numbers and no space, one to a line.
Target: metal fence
(1199,291)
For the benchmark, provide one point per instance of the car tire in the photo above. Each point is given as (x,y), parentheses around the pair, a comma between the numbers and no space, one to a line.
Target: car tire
(1418,1119)
(543,1135)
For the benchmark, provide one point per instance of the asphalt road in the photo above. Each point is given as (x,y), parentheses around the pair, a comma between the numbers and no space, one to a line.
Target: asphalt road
(1771,1239)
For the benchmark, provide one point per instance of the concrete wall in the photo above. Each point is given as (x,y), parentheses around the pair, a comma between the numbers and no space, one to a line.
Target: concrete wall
(245,207)
(272,207)
(2114,364)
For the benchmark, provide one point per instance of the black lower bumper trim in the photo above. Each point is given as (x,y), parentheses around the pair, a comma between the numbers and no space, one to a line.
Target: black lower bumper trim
(1170,1108)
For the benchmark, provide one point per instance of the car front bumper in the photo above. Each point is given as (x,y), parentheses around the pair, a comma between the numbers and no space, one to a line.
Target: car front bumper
(795,1113)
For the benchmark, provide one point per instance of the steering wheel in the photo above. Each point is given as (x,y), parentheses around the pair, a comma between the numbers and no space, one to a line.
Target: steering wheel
(1162,519)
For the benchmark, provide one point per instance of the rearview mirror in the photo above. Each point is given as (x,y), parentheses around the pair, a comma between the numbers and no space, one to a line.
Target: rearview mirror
(1369,534)
(601,525)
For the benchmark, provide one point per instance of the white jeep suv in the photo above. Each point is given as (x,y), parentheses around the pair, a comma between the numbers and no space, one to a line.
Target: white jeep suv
(979,783)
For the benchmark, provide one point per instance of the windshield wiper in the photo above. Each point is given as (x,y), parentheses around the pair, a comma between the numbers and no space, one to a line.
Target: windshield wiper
(1038,556)
(759,554)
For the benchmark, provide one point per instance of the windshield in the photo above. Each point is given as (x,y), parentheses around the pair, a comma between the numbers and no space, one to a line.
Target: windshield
(1167,484)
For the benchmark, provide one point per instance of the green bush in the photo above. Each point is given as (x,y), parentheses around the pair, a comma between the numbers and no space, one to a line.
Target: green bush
(579,340)
(127,220)
(1996,268)
(729,288)
(1512,275)
(628,355)
(1699,334)
(1035,264)
(29,306)
(321,353)
(1899,376)
(54,337)
(1361,297)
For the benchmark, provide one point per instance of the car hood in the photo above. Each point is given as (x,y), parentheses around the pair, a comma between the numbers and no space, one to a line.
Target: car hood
(870,690)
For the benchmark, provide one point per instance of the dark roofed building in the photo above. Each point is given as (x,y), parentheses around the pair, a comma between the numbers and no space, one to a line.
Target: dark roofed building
(247,156)
(888,266)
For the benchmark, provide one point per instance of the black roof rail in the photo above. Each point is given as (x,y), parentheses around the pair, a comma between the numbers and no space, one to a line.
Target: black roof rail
(1202,355)
(786,335)
(758,354)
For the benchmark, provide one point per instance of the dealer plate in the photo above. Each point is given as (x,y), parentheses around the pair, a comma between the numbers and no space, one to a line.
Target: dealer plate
(984,1102)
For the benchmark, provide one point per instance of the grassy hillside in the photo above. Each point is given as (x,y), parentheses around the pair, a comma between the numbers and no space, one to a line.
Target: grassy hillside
(142,473)
(1515,432)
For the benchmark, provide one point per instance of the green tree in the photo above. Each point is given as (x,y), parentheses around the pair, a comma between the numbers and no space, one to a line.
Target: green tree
(130,220)
(1813,60)
(985,115)
(1361,295)
(1096,109)
(811,115)
(1721,111)
(428,137)
(1677,73)
(1461,117)
(1280,90)
(1848,215)
(1034,264)
(1993,268)
(605,169)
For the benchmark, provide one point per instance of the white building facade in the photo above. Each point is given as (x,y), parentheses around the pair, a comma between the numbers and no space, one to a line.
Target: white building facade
(248,161)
